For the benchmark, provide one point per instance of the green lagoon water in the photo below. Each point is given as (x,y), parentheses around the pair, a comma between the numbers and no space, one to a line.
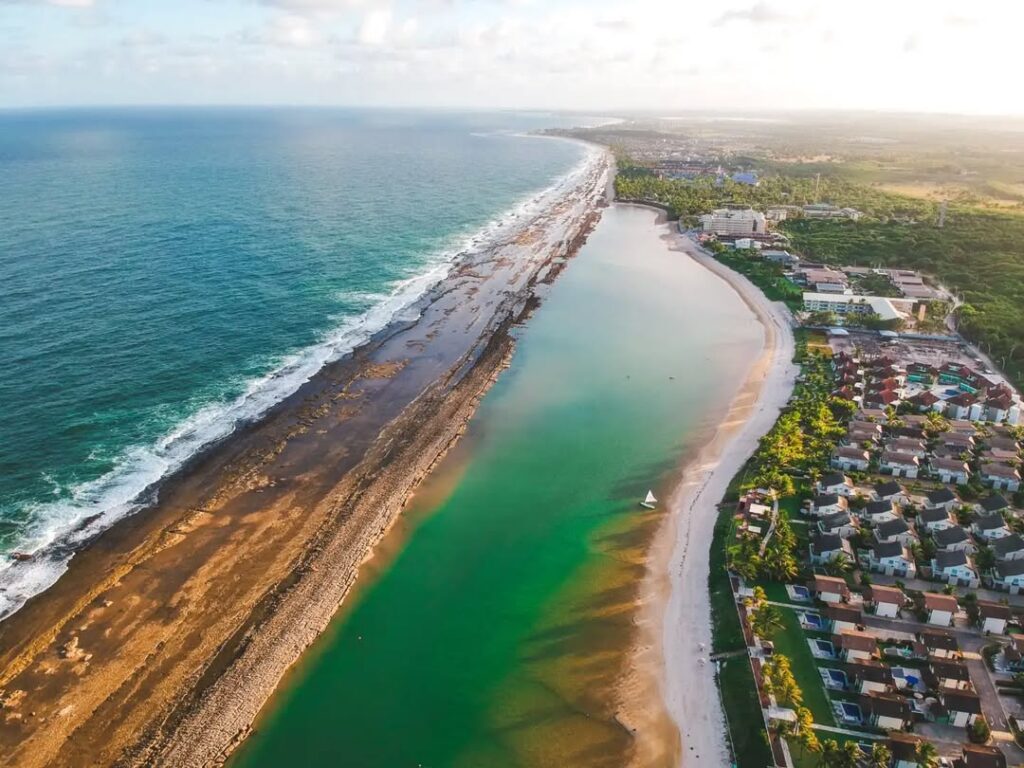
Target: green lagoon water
(494,632)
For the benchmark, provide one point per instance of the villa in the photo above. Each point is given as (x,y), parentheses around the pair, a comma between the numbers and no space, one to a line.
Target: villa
(892,558)
(990,527)
(955,567)
(1008,575)
(1009,547)
(895,530)
(849,458)
(835,482)
(953,471)
(941,609)
(1001,477)
(829,589)
(826,547)
(828,504)
(877,512)
(953,539)
(887,601)
(935,519)
(899,464)
(994,617)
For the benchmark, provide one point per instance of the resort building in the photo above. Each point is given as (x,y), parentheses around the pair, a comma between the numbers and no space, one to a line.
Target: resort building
(1008,548)
(829,589)
(734,221)
(899,464)
(892,558)
(828,547)
(953,471)
(826,211)
(843,304)
(935,519)
(849,458)
(953,539)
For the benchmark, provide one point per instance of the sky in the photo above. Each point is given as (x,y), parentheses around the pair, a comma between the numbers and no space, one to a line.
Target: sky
(662,55)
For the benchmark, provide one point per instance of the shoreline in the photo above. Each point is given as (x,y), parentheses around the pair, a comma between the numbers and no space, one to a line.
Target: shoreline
(190,613)
(682,618)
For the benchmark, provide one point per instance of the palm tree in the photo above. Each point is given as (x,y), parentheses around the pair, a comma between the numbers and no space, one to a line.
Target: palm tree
(926,755)
(829,754)
(881,756)
(838,564)
(766,621)
(850,755)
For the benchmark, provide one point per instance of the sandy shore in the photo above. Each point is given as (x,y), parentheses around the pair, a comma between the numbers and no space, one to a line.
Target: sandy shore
(690,692)
(169,631)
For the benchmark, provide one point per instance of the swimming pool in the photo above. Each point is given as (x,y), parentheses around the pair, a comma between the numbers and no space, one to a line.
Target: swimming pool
(799,593)
(833,678)
(850,713)
(811,621)
(824,648)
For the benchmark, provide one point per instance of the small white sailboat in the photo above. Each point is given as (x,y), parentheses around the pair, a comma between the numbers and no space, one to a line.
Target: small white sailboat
(649,501)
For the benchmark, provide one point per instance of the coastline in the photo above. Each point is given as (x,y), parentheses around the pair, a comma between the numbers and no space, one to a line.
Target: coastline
(678,610)
(191,613)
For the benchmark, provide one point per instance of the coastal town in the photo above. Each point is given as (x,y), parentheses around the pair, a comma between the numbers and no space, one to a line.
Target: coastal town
(877,579)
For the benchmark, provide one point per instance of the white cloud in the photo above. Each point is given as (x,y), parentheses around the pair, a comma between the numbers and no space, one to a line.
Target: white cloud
(375,27)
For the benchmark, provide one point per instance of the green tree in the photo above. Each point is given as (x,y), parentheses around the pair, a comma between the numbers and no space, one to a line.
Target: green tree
(979,731)
(881,755)
(838,564)
(926,755)
(766,621)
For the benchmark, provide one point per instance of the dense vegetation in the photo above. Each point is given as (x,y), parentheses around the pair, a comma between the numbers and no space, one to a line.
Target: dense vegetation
(978,253)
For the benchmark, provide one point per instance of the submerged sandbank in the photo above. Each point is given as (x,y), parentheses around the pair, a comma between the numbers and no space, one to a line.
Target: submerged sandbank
(167,633)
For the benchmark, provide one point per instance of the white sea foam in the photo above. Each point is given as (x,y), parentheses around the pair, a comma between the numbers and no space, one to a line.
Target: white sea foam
(55,529)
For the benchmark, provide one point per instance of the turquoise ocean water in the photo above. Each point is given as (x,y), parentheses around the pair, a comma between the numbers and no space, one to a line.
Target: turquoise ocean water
(168,274)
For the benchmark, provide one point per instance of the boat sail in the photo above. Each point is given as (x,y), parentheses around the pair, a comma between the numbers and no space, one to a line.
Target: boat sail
(649,501)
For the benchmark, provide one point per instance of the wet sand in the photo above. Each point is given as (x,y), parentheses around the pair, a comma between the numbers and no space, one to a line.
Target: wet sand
(672,685)
(169,631)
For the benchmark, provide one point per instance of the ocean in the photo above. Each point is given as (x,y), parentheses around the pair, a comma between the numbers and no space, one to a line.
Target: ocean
(168,274)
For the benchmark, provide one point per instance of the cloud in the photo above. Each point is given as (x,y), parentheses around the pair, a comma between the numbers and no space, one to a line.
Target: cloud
(758,13)
(321,7)
(911,43)
(375,27)
(55,3)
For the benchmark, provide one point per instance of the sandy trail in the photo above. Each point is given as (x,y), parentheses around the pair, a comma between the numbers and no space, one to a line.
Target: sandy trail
(691,694)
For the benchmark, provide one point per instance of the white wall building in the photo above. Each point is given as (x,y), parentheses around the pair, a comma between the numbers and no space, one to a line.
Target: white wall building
(734,221)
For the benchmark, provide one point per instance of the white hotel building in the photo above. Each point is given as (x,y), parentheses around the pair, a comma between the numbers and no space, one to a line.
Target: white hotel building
(734,221)
(849,304)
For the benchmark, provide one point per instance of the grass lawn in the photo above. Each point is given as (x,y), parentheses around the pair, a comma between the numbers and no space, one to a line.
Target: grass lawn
(791,641)
(743,712)
(812,759)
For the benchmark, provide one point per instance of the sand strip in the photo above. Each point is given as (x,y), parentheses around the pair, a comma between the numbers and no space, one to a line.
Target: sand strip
(690,691)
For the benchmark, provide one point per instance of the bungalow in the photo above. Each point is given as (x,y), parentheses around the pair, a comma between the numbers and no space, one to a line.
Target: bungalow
(876,512)
(840,523)
(886,711)
(961,427)
(828,504)
(980,756)
(826,547)
(953,539)
(835,482)
(926,401)
(1001,477)
(855,436)
(899,465)
(892,558)
(829,589)
(935,519)
(841,618)
(849,458)
(955,567)
(908,447)
(895,530)
(886,601)
(866,676)
(953,471)
(852,645)
(959,406)
(964,707)
(863,425)
(948,673)
(993,617)
(991,504)
(990,527)
(963,441)
(874,415)
(941,608)
(1000,454)
(1004,443)
(1009,547)
(942,498)
(921,373)
(882,399)
(998,407)
(940,643)
(1008,575)
(903,748)
(890,491)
